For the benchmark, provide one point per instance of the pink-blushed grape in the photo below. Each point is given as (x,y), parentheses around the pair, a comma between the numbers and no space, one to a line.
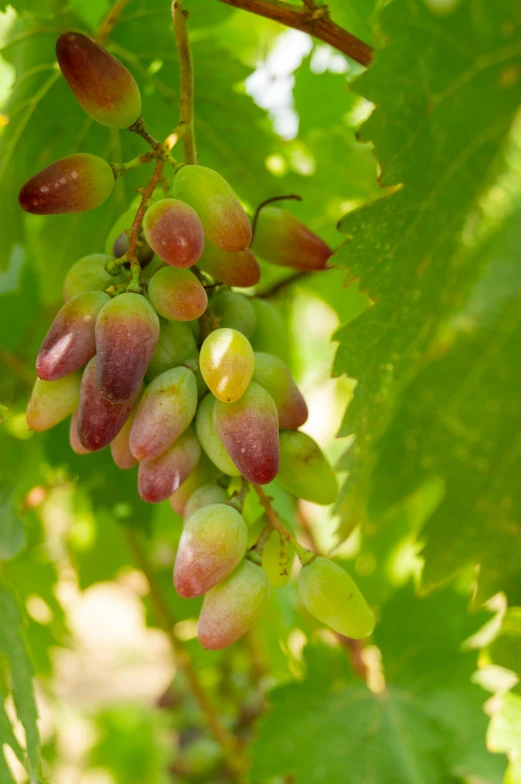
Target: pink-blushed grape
(173,230)
(161,477)
(273,375)
(284,240)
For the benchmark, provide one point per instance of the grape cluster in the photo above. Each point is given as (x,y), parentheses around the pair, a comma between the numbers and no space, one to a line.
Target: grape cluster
(186,385)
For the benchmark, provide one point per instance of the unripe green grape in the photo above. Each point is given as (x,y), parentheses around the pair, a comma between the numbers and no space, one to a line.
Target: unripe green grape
(226,362)
(273,375)
(277,560)
(284,240)
(199,758)
(127,333)
(249,430)
(52,401)
(161,477)
(239,269)
(176,345)
(165,410)
(209,439)
(101,84)
(270,334)
(224,221)
(233,606)
(99,420)
(173,230)
(177,294)
(204,472)
(234,311)
(70,342)
(74,439)
(304,469)
(331,595)
(204,496)
(76,183)
(212,544)
(89,274)
(119,446)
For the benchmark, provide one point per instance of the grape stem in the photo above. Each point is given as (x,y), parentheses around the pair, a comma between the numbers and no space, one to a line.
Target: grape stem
(133,235)
(186,71)
(139,127)
(305,556)
(123,168)
(237,501)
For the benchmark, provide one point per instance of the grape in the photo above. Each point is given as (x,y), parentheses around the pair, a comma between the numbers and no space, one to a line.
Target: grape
(270,334)
(239,269)
(212,544)
(272,374)
(333,597)
(74,440)
(101,84)
(160,478)
(203,496)
(224,221)
(233,606)
(209,440)
(52,401)
(204,472)
(277,561)
(304,469)
(76,183)
(177,294)
(120,448)
(127,333)
(234,311)
(282,239)
(248,429)
(173,229)
(144,252)
(176,345)
(70,342)
(89,274)
(164,412)
(99,421)
(226,362)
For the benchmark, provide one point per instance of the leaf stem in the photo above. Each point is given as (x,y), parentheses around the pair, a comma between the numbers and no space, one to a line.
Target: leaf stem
(186,70)
(305,556)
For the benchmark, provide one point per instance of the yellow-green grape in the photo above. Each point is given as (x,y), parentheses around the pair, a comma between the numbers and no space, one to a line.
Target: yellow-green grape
(74,439)
(52,401)
(282,239)
(102,85)
(203,496)
(277,560)
(233,606)
(273,375)
(226,362)
(270,334)
(159,478)
(204,472)
(176,345)
(235,269)
(333,597)
(212,544)
(304,469)
(120,448)
(89,274)
(209,439)
(177,294)
(234,311)
(224,221)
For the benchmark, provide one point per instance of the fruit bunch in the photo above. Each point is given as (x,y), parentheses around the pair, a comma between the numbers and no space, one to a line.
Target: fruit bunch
(155,354)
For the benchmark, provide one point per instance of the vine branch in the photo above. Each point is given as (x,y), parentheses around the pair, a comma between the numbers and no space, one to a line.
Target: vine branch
(186,70)
(314,22)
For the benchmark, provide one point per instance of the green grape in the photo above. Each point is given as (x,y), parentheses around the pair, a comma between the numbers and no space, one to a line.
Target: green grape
(176,294)
(226,362)
(77,183)
(101,84)
(224,221)
(212,544)
(176,345)
(254,531)
(52,401)
(74,439)
(159,478)
(235,269)
(204,472)
(304,469)
(120,447)
(174,231)
(233,606)
(165,410)
(234,311)
(282,239)
(199,758)
(273,375)
(270,334)
(333,597)
(203,496)
(277,560)
(209,440)
(89,274)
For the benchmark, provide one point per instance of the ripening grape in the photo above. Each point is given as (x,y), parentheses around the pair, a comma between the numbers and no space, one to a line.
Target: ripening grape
(249,430)
(76,183)
(204,472)
(52,401)
(74,439)
(282,239)
(226,362)
(270,335)
(101,84)
(277,560)
(120,448)
(331,595)
(99,421)
(209,440)
(174,231)
(224,221)
(212,544)
(233,606)
(164,412)
(176,345)
(272,374)
(203,496)
(89,274)
(234,311)
(70,342)
(177,294)
(239,269)
(127,333)
(160,478)
(304,469)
